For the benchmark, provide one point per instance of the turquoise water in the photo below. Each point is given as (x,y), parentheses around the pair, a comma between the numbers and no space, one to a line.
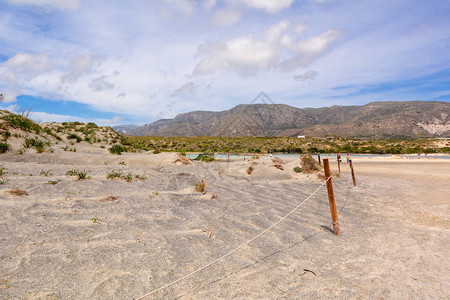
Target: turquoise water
(330,156)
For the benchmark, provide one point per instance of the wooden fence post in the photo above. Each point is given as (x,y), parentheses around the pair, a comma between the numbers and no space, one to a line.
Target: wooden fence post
(339,165)
(334,216)
(353,173)
(318,155)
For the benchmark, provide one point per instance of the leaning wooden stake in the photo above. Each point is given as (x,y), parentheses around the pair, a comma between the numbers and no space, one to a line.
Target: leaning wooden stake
(334,216)
(353,173)
(318,156)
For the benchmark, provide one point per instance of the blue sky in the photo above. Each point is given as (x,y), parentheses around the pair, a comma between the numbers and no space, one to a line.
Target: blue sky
(133,62)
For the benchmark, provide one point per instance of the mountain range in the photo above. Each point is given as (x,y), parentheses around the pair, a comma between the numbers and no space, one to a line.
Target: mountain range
(400,119)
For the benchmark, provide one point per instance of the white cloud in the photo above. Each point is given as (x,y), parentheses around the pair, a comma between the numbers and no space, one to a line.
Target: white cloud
(59,4)
(310,50)
(187,89)
(208,4)
(309,75)
(184,6)
(24,66)
(226,17)
(275,31)
(270,6)
(244,55)
(20,70)
(80,65)
(248,56)
(100,84)
(300,28)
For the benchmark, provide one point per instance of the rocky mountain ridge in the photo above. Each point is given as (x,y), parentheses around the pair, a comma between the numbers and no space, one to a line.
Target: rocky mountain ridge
(405,119)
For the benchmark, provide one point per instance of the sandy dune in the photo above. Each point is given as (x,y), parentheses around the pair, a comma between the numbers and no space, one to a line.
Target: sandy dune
(112,239)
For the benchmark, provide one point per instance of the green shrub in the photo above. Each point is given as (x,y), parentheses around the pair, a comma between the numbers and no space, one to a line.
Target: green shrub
(205,157)
(4,147)
(117,149)
(298,169)
(128,177)
(38,144)
(23,123)
(80,174)
(3,170)
(114,174)
(91,125)
(73,136)
(72,172)
(6,134)
(83,175)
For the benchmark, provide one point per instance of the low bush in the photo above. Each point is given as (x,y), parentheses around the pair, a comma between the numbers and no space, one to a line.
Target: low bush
(73,136)
(80,174)
(4,147)
(114,174)
(117,149)
(200,187)
(205,157)
(309,164)
(298,169)
(23,123)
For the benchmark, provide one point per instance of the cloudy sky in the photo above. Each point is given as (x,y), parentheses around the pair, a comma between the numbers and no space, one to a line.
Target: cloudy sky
(133,62)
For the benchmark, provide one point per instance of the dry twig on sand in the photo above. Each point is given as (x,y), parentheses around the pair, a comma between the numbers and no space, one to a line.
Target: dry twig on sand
(17,192)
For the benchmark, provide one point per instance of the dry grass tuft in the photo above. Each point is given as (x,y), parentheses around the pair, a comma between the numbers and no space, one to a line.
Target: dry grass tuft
(109,199)
(249,170)
(17,192)
(183,160)
(278,163)
(200,187)
(309,164)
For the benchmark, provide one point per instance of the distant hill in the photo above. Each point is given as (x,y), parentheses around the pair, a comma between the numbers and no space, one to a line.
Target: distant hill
(408,119)
(124,129)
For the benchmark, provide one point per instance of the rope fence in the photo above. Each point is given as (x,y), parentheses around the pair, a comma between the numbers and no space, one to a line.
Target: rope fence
(237,248)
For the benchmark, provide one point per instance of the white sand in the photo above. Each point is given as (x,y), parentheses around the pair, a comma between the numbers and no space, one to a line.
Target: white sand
(70,241)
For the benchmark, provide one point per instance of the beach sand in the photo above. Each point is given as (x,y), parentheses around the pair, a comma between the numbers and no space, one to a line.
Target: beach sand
(111,239)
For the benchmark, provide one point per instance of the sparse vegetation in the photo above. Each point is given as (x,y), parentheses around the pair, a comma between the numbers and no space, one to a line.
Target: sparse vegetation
(3,171)
(309,164)
(207,144)
(249,170)
(72,172)
(81,175)
(4,147)
(21,122)
(17,192)
(53,182)
(46,173)
(117,149)
(200,187)
(205,157)
(298,169)
(114,174)
(73,136)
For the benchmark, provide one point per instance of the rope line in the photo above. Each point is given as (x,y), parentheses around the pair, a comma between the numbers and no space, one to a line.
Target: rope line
(237,248)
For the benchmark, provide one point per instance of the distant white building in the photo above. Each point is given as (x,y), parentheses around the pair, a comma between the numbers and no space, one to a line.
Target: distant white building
(301,136)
